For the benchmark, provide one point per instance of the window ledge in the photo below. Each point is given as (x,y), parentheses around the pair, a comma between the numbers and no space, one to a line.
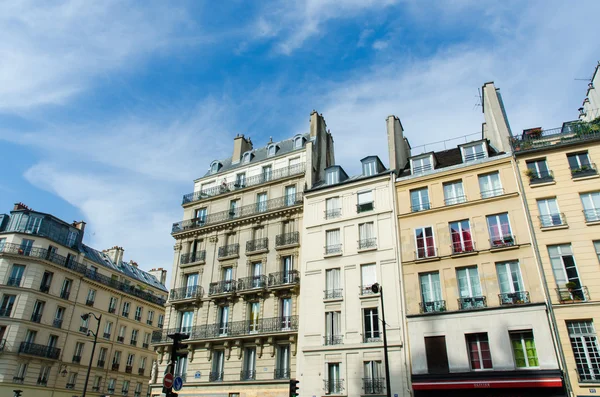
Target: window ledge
(374,248)
(585,178)
(592,223)
(506,248)
(261,251)
(534,185)
(557,227)
(459,255)
(329,300)
(430,259)
(367,296)
(332,254)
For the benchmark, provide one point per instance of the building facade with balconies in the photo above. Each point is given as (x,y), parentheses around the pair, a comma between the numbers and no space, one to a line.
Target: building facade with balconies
(475,302)
(236,277)
(561,188)
(50,279)
(349,244)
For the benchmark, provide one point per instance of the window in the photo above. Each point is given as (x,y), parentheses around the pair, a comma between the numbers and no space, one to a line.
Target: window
(26,246)
(2,242)
(150,319)
(565,272)
(108,329)
(524,350)
(469,288)
(112,305)
(187,321)
(138,389)
(585,349)
(84,325)
(371,325)
(369,277)
(271,149)
(138,313)
(333,176)
(122,331)
(511,284)
(597,248)
(234,206)
(369,168)
(161,320)
(332,281)
(436,355)
(111,385)
(332,242)
(130,359)
(431,293)
(334,383)
(425,242)
(7,304)
(332,208)
(240,180)
(549,213)
(261,202)
(267,173)
(479,351)
(33,224)
(474,152)
(91,297)
(134,336)
(30,336)
(366,236)
(65,291)
(71,238)
(72,380)
(191,284)
(125,311)
(247,157)
(580,164)
(282,370)
(125,388)
(38,310)
(500,231)
(591,206)
(46,281)
(249,372)
(460,234)
(16,275)
(365,201)
(97,383)
(490,186)
(298,142)
(419,200)
(333,331)
(44,374)
(538,171)
(373,381)
(285,313)
(421,165)
(200,215)
(78,352)
(143,363)
(218,365)
(223,314)
(147,336)
(58,317)
(290,195)
(117,357)
(102,356)
(214,167)
(454,193)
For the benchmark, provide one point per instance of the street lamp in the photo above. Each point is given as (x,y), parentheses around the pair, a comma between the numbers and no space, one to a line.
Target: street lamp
(376,288)
(87,376)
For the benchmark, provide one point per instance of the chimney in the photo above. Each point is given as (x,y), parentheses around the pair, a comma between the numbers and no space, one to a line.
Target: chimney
(115,254)
(398,146)
(20,206)
(240,146)
(132,263)
(160,274)
(495,128)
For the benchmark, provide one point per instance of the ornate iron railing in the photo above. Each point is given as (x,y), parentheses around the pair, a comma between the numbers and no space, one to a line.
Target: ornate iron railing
(252,282)
(36,317)
(215,376)
(592,215)
(39,350)
(334,293)
(221,287)
(248,375)
(198,256)
(569,133)
(472,302)
(503,241)
(101,363)
(540,177)
(374,385)
(367,243)
(191,292)
(552,220)
(238,213)
(420,207)
(287,239)
(426,253)
(280,173)
(570,295)
(464,247)
(14,281)
(492,193)
(333,340)
(76,359)
(284,278)
(284,373)
(333,249)
(455,200)
(334,386)
(229,250)
(333,213)
(514,298)
(366,289)
(89,302)
(363,207)
(257,245)
(433,306)
(57,323)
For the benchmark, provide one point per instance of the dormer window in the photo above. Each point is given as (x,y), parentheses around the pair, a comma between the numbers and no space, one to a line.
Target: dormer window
(214,167)
(474,152)
(333,177)
(247,157)
(271,150)
(298,142)
(421,164)
(369,168)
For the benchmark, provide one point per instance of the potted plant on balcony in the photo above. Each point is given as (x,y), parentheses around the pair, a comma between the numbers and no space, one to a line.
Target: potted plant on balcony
(533,133)
(530,173)
(570,286)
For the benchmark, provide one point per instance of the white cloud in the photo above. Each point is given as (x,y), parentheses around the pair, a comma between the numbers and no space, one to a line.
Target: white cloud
(380,45)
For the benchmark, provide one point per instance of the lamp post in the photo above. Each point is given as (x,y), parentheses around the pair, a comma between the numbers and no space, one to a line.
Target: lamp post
(87,376)
(377,288)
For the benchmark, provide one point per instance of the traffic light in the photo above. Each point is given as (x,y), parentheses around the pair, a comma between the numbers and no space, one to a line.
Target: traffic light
(177,345)
(294,388)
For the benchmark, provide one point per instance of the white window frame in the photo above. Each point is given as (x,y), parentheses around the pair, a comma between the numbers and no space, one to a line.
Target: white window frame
(369,168)
(457,191)
(425,246)
(333,176)
(494,191)
(422,205)
(271,150)
(467,157)
(417,165)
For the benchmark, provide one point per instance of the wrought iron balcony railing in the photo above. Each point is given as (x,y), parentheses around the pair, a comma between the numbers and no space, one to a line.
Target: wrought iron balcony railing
(83,329)
(472,302)
(287,239)
(229,250)
(89,302)
(128,369)
(367,243)
(57,323)
(374,385)
(329,340)
(36,317)
(141,371)
(366,289)
(334,386)
(77,359)
(420,207)
(570,132)
(283,373)
(333,213)
(42,381)
(540,177)
(145,345)
(570,295)
(115,366)
(247,375)
(426,253)
(592,215)
(191,292)
(492,193)
(238,213)
(133,342)
(334,293)
(333,249)
(372,337)
(514,298)
(112,310)
(259,244)
(14,281)
(584,170)
(502,241)
(65,294)
(364,207)
(39,350)
(463,247)
(18,379)
(280,173)
(433,306)
(106,335)
(44,288)
(251,283)
(221,287)
(120,339)
(215,376)
(101,363)
(552,220)
(284,278)
(198,256)
(70,386)
(455,200)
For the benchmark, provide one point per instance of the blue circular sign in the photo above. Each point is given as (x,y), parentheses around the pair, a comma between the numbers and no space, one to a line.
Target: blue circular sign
(177,383)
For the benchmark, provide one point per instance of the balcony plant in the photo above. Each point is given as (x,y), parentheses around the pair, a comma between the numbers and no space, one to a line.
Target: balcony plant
(530,173)
(533,133)
(570,286)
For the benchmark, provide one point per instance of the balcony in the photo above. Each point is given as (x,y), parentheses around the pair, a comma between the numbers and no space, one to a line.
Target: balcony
(364,207)
(89,302)
(287,239)
(101,363)
(120,339)
(286,279)
(514,298)
(536,178)
(145,345)
(57,323)
(184,293)
(42,381)
(45,288)
(106,335)
(34,349)
(238,213)
(115,367)
(424,253)
(472,302)
(77,359)
(36,317)
(65,294)
(221,287)
(14,282)
(433,306)
(553,220)
(83,329)
(334,249)
(125,314)
(274,175)
(18,379)
(334,386)
(247,375)
(502,241)
(110,390)
(112,310)
(252,283)
(282,373)
(337,293)
(569,133)
(374,385)
(366,290)
(215,376)
(584,170)
(455,200)
(258,245)
(96,388)
(420,207)
(463,247)
(367,244)
(592,215)
(126,288)
(329,340)
(492,193)
(128,369)
(133,342)
(42,253)
(192,257)
(572,295)
(333,213)
(141,371)
(229,251)
(137,318)
(70,385)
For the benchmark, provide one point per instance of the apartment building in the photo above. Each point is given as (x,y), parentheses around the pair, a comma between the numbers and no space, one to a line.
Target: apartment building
(475,303)
(236,280)
(590,108)
(561,187)
(349,244)
(54,288)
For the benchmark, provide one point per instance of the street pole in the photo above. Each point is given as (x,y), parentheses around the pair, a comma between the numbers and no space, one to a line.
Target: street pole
(377,288)
(87,376)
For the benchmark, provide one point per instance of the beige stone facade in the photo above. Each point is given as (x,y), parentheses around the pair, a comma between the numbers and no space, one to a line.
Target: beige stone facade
(236,276)
(50,279)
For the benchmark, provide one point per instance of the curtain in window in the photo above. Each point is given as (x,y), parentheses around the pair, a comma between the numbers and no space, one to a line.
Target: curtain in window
(461,236)
(454,193)
(286,312)
(333,237)
(332,204)
(365,197)
(430,287)
(509,277)
(223,320)
(499,228)
(468,282)
(369,275)
(365,231)
(333,279)
(425,242)
(333,327)
(290,195)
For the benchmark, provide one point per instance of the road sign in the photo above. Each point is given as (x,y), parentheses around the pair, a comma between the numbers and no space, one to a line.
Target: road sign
(177,383)
(168,381)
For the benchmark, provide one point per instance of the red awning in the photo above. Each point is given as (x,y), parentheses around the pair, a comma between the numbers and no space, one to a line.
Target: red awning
(487,384)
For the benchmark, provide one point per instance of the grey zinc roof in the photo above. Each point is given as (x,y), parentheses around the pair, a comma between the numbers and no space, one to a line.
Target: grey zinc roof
(123,267)
(284,147)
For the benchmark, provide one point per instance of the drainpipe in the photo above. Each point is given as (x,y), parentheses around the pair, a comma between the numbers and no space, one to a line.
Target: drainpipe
(551,316)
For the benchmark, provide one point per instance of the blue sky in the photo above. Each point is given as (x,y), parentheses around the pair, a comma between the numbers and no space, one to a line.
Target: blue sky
(109,110)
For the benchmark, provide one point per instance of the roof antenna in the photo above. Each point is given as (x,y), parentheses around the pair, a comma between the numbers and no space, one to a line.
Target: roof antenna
(480,99)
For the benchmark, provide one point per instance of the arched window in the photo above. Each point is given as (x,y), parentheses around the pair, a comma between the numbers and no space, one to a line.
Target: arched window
(271,149)
(214,167)
(247,157)
(298,141)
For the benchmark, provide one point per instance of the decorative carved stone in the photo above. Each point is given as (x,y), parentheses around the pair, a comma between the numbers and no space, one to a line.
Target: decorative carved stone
(238,346)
